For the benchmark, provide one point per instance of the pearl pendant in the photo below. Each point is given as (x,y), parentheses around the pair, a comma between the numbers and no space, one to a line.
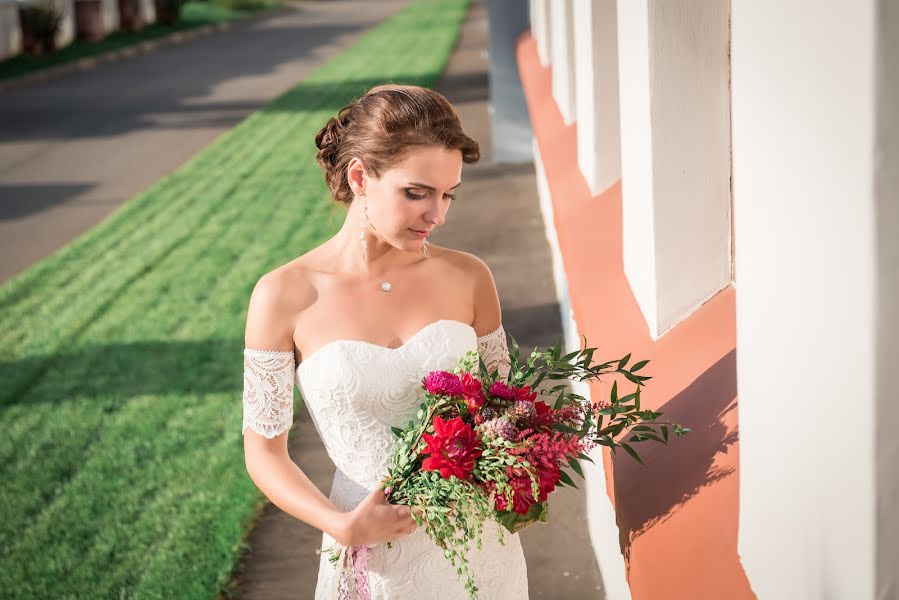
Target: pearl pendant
(386,286)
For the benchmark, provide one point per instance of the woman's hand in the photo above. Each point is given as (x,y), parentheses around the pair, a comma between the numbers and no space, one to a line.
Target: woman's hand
(375,521)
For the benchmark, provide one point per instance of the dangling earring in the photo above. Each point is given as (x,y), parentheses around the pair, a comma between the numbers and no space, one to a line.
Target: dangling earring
(362,218)
(424,249)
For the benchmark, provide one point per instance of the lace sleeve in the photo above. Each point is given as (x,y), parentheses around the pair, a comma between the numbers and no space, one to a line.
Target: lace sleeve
(268,377)
(494,350)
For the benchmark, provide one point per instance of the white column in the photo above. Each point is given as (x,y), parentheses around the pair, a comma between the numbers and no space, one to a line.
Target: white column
(675,159)
(10,29)
(815,146)
(562,53)
(596,92)
(886,217)
(540,29)
(110,15)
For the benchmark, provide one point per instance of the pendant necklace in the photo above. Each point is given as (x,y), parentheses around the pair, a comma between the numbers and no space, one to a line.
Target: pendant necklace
(385,285)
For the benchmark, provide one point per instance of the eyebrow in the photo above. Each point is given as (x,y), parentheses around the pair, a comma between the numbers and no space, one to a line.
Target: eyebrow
(432,188)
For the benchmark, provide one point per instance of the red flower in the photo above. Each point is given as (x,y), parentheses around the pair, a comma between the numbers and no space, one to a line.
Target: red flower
(543,414)
(443,382)
(502,390)
(473,392)
(522,495)
(453,448)
(525,393)
(549,477)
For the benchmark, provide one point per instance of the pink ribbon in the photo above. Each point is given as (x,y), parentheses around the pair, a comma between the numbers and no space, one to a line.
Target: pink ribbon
(351,575)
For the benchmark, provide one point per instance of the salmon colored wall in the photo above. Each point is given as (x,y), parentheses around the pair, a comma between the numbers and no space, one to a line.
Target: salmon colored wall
(677,515)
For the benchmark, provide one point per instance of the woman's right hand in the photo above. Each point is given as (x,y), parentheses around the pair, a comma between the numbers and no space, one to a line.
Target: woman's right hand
(375,521)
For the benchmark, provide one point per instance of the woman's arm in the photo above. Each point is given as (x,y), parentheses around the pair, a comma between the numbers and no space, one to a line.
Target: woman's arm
(269,371)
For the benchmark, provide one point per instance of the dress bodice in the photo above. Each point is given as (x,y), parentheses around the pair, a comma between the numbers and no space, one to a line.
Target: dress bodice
(355,391)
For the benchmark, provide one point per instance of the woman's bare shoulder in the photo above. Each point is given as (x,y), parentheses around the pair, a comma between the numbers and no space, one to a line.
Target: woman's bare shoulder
(277,298)
(466,262)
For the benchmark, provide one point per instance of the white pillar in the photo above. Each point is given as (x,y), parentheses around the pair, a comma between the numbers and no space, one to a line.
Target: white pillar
(540,29)
(815,146)
(562,53)
(596,92)
(675,159)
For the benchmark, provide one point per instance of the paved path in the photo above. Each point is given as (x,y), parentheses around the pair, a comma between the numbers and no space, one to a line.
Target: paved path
(74,148)
(496,217)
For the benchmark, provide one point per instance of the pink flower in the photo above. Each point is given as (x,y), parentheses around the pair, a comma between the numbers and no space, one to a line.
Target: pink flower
(500,389)
(443,383)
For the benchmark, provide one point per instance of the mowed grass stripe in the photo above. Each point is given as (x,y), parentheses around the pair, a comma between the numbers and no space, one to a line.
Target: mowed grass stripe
(124,442)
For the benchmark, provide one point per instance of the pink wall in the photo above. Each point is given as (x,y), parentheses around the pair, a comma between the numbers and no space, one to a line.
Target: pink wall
(677,515)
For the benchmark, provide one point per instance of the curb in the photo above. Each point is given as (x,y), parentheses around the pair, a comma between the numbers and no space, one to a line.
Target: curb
(179,37)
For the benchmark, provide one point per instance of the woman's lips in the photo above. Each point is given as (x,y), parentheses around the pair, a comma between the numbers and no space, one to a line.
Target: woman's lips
(419,233)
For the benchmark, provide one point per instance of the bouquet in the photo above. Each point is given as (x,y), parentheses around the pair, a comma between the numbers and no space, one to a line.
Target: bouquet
(483,446)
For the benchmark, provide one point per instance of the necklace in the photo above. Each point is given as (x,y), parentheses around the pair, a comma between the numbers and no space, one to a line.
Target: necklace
(385,285)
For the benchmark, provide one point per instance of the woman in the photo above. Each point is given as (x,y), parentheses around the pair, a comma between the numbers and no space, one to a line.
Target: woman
(357,322)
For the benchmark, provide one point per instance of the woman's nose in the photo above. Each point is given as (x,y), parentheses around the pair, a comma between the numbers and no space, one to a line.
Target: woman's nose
(436,217)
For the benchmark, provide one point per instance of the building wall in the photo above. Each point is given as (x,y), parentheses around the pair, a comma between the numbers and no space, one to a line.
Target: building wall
(752,236)
(675,518)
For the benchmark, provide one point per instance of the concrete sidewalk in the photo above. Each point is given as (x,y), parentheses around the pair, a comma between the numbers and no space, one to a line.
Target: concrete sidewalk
(496,217)
(75,148)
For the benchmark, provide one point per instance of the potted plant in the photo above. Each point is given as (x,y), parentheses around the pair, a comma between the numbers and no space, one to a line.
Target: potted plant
(89,20)
(130,17)
(39,22)
(168,11)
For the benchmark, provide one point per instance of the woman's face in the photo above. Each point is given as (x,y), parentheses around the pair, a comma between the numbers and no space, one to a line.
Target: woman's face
(414,195)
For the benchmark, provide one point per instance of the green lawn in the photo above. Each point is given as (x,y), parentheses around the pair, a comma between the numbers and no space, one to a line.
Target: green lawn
(121,354)
(193,14)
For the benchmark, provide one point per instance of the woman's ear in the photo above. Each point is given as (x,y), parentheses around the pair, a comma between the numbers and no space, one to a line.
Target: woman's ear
(356,176)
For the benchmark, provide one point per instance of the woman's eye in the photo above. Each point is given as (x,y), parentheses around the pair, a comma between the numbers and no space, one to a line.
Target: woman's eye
(414,196)
(450,196)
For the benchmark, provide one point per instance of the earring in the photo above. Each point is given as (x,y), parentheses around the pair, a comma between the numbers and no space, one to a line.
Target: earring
(424,249)
(362,218)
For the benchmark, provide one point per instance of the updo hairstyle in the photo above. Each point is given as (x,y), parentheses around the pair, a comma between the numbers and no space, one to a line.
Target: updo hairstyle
(382,126)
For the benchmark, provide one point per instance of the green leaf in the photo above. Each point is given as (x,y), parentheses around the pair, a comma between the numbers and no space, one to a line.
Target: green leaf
(632,452)
(614,392)
(623,361)
(564,477)
(585,457)
(558,403)
(576,466)
(665,432)
(397,431)
(639,365)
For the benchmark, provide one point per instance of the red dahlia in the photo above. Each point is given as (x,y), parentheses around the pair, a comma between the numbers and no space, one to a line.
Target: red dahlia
(473,392)
(453,448)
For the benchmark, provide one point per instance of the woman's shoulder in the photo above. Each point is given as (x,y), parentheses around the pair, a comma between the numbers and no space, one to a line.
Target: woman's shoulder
(284,289)
(466,262)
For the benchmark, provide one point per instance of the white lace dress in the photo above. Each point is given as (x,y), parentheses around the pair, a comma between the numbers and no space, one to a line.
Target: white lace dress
(355,391)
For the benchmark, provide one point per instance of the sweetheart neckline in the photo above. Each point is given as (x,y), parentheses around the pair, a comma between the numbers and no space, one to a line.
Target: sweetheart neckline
(386,348)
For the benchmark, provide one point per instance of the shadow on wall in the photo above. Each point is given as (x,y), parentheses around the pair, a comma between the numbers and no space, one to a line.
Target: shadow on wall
(676,473)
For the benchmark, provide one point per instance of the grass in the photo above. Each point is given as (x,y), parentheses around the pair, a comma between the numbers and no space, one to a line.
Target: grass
(121,354)
(193,14)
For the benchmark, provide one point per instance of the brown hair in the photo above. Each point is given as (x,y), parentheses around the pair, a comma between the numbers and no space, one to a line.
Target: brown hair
(380,128)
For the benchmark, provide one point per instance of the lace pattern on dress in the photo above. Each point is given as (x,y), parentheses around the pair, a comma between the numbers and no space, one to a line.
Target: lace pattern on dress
(268,380)
(494,350)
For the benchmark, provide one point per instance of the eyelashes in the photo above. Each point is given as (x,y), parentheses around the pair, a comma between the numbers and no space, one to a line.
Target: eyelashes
(413,196)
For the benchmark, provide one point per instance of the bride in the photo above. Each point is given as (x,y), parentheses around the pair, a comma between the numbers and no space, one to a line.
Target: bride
(356,323)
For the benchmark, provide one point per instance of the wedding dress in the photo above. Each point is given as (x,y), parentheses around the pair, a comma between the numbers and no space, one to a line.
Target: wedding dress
(355,391)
